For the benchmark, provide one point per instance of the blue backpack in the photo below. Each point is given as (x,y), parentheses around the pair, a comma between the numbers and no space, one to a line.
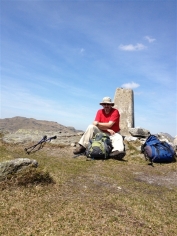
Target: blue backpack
(156,151)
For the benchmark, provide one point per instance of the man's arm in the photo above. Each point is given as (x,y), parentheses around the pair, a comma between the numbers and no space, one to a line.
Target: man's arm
(105,126)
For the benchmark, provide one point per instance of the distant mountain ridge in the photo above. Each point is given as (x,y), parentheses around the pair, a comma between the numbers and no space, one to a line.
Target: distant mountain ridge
(15,123)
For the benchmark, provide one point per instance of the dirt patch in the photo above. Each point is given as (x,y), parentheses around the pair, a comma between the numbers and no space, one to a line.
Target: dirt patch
(168,180)
(85,185)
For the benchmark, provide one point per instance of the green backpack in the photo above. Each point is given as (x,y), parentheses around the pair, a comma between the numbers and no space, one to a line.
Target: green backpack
(99,147)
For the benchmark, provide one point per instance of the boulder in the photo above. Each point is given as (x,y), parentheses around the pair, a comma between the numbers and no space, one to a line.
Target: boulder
(139,132)
(165,137)
(16,165)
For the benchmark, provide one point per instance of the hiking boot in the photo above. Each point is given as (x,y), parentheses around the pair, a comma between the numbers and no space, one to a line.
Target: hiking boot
(117,154)
(79,150)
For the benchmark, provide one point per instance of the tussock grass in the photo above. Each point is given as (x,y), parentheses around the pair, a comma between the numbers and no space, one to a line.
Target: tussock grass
(72,196)
(27,177)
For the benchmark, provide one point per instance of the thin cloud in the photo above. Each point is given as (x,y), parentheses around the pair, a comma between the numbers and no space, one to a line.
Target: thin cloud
(149,39)
(131,47)
(131,85)
(82,50)
(23,100)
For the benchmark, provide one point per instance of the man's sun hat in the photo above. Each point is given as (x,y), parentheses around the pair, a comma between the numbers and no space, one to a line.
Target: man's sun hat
(107,100)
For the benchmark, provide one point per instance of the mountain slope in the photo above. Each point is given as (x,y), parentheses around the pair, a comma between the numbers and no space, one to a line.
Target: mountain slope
(16,123)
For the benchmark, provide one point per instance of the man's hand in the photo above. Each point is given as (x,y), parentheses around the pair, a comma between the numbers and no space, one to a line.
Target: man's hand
(110,131)
(95,123)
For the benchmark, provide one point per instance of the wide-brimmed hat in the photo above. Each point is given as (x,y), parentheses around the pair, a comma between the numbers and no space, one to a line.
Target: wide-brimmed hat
(107,100)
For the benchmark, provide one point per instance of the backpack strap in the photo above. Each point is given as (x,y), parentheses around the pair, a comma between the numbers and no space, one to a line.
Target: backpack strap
(106,148)
(98,136)
(80,154)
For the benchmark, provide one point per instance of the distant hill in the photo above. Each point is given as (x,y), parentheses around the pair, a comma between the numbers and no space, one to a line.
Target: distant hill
(16,123)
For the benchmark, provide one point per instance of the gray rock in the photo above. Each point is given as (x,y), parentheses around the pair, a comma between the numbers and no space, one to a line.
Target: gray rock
(165,137)
(73,144)
(130,138)
(175,143)
(139,132)
(16,165)
(80,133)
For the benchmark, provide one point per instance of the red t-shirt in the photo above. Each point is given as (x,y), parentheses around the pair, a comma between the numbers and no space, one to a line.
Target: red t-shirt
(114,116)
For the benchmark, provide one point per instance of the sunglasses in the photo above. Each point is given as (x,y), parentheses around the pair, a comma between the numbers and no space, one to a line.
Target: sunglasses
(106,104)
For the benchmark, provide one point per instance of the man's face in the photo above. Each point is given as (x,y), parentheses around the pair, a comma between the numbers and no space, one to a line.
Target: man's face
(107,108)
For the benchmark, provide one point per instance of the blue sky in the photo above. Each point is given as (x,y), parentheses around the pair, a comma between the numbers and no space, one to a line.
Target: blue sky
(60,58)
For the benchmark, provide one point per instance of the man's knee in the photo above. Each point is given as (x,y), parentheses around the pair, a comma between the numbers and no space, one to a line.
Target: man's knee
(119,137)
(91,127)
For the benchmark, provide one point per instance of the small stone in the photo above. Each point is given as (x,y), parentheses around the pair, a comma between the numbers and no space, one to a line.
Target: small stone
(73,144)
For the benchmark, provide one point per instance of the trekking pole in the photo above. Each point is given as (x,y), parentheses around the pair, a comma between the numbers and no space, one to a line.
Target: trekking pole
(49,139)
(80,154)
(42,141)
(32,147)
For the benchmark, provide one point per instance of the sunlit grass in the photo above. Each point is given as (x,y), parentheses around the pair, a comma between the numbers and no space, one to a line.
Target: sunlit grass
(72,196)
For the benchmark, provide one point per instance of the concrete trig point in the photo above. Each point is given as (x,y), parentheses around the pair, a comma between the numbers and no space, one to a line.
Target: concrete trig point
(124,102)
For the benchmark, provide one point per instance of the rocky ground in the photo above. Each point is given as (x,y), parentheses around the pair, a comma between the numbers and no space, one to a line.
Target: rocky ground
(28,130)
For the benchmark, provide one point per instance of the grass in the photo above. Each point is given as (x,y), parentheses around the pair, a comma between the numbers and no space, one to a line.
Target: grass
(72,196)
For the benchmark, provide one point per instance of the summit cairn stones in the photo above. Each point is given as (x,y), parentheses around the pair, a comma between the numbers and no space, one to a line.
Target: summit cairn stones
(139,132)
(124,102)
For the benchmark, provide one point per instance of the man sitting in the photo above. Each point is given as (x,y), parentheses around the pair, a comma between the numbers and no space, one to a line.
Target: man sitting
(106,120)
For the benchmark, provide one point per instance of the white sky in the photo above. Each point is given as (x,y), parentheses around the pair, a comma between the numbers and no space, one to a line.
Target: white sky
(60,58)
